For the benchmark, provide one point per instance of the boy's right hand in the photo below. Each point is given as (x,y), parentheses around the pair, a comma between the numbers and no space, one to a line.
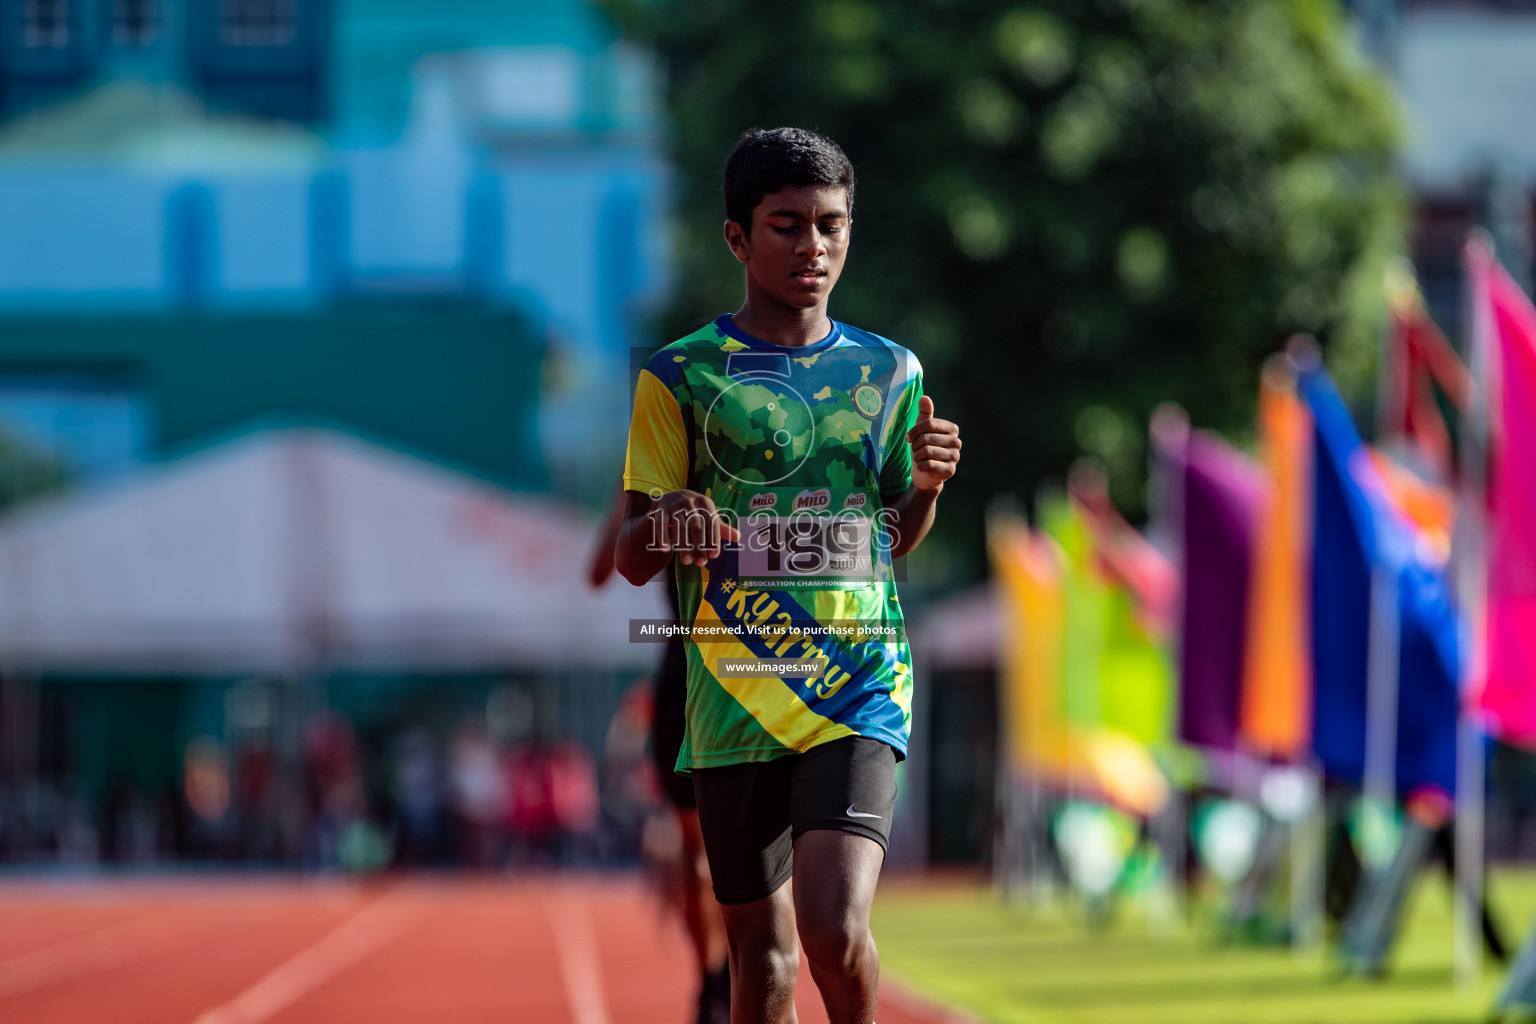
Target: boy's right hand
(688,524)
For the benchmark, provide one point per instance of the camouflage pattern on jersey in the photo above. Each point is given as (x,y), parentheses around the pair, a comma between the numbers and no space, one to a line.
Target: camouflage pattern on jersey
(800,447)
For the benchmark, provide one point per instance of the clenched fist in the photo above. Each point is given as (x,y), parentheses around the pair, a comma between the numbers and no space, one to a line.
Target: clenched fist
(935,448)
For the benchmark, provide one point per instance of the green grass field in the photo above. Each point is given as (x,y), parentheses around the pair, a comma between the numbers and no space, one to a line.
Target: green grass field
(961,947)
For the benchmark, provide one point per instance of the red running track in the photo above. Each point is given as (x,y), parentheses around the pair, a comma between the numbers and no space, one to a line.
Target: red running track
(551,950)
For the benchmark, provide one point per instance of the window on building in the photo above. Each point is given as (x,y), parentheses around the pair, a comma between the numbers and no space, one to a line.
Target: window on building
(45,24)
(135,23)
(256,22)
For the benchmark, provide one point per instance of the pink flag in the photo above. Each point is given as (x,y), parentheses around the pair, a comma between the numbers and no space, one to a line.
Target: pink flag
(1505,325)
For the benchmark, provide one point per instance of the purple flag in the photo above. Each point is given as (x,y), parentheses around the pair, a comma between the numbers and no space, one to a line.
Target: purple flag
(1223,495)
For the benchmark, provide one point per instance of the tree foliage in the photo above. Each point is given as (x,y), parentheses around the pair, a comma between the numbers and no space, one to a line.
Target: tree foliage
(1071,210)
(26,470)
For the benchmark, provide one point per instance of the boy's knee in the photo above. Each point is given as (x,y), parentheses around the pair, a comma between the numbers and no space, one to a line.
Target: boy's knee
(775,967)
(839,945)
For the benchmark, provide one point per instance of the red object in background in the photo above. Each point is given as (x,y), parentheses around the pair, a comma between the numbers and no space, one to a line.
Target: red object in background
(530,799)
(1419,359)
(1126,557)
(573,787)
(254,767)
(553,789)
(331,750)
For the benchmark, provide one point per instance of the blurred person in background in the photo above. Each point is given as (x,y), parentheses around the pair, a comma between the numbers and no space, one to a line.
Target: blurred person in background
(631,790)
(530,805)
(553,806)
(700,912)
(574,801)
(788,770)
(337,799)
(208,792)
(478,790)
(416,787)
(255,797)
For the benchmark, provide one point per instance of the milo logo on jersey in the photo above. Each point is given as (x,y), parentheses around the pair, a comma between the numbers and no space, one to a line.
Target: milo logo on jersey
(820,538)
(813,501)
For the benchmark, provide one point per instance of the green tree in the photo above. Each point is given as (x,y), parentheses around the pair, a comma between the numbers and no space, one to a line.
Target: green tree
(26,470)
(1070,210)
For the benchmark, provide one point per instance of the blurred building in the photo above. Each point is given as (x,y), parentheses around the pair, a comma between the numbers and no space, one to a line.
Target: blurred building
(432,225)
(231,201)
(1465,72)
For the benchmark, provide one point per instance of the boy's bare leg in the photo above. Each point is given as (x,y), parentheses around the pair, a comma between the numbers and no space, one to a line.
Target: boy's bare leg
(835,876)
(765,958)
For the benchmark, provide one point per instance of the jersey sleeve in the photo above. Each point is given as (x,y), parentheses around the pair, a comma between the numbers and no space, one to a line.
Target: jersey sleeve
(896,471)
(657,456)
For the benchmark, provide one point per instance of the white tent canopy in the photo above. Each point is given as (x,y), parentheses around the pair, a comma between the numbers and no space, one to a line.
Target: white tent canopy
(292,549)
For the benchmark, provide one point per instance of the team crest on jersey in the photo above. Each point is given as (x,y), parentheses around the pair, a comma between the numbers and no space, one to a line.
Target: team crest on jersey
(868,400)
(855,500)
(813,501)
(759,502)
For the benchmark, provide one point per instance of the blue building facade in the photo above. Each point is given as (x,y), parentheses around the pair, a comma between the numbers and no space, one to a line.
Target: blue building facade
(189,160)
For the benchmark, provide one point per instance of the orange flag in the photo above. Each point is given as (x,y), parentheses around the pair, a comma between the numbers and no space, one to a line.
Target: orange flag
(1276,712)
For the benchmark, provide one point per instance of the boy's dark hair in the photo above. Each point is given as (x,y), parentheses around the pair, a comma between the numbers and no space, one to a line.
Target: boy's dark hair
(766,160)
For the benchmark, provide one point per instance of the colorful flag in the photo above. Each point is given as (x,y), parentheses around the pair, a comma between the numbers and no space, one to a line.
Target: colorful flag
(1276,714)
(1418,360)
(1085,597)
(1356,530)
(1044,741)
(1429,507)
(1221,498)
(1139,592)
(1506,328)
(1027,569)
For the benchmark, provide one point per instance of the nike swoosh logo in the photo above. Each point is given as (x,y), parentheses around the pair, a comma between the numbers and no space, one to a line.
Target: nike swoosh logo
(860,814)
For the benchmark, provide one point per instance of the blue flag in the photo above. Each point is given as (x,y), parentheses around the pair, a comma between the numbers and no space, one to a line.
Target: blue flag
(1354,530)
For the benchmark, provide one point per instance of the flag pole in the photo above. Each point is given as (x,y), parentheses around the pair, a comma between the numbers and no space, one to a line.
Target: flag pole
(1379,778)
(1310,843)
(1006,855)
(1471,587)
(1168,430)
(1381,697)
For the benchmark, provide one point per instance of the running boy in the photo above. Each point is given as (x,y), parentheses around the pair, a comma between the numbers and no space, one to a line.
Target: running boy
(784,460)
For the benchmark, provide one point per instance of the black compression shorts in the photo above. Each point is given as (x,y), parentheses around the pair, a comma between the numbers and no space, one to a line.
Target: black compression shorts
(752,813)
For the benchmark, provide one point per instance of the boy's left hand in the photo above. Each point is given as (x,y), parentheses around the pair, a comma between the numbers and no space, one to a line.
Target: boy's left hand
(935,448)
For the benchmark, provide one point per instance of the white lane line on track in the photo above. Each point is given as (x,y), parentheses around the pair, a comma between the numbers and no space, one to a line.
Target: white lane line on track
(577,949)
(102,950)
(350,943)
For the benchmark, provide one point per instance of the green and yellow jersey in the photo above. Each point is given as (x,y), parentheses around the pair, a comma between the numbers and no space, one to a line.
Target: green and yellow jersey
(802,449)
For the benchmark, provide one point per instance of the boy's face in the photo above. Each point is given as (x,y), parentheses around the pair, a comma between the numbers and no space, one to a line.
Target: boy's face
(798,243)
